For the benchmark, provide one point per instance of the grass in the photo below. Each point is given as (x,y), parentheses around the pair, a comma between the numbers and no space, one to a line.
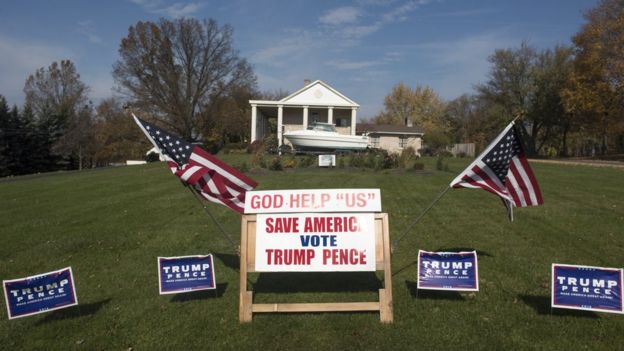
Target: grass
(111,224)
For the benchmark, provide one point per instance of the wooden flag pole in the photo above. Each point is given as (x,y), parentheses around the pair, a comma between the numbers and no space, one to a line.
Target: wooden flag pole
(395,242)
(229,239)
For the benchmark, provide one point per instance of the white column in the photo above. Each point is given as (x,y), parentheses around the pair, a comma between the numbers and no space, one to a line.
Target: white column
(353,116)
(254,115)
(330,115)
(305,117)
(280,122)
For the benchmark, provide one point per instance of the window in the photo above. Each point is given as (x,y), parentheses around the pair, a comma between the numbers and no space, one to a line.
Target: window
(403,141)
(374,141)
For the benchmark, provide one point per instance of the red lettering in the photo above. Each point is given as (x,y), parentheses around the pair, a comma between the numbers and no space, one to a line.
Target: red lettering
(269,225)
(331,225)
(361,200)
(344,257)
(289,256)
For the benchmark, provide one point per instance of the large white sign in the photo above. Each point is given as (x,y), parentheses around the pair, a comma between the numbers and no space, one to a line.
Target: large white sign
(315,242)
(313,200)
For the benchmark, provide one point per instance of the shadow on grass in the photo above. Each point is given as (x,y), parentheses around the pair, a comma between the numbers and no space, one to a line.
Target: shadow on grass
(459,249)
(74,311)
(432,294)
(201,295)
(292,282)
(396,272)
(229,260)
(541,305)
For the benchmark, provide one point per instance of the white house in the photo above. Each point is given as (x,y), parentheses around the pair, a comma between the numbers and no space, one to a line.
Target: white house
(315,102)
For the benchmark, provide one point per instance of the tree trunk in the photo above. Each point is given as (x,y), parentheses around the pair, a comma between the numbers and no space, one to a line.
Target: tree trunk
(80,158)
(564,141)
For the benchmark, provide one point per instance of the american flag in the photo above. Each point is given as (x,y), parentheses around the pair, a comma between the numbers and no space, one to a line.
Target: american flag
(213,179)
(503,170)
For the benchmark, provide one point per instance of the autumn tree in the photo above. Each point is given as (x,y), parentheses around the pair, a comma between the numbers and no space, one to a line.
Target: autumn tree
(58,100)
(473,119)
(549,120)
(510,85)
(421,106)
(117,136)
(176,70)
(597,85)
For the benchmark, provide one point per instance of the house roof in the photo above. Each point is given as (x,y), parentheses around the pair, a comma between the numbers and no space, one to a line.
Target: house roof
(387,129)
(317,93)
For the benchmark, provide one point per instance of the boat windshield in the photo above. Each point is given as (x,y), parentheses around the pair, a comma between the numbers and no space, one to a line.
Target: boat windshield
(322,127)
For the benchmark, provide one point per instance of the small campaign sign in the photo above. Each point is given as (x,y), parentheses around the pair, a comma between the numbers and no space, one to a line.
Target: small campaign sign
(40,293)
(327,160)
(448,271)
(587,288)
(313,200)
(185,274)
(315,242)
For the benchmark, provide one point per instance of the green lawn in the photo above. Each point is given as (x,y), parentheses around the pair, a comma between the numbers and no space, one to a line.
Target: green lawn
(111,224)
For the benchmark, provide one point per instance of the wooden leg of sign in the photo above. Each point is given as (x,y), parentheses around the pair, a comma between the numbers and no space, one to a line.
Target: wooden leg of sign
(385,306)
(245,315)
(245,297)
(386,312)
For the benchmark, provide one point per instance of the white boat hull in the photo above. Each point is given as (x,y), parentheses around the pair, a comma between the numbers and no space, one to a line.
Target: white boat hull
(317,141)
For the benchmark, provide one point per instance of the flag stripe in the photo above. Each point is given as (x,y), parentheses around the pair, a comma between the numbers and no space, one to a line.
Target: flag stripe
(517,188)
(514,194)
(486,179)
(532,180)
(213,179)
(522,185)
(503,169)
(204,158)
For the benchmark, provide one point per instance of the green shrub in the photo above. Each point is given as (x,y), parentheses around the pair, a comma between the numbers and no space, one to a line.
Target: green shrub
(406,156)
(357,161)
(445,153)
(289,162)
(441,164)
(276,164)
(243,167)
(270,143)
(255,147)
(306,161)
(390,161)
(152,157)
(258,160)
(418,166)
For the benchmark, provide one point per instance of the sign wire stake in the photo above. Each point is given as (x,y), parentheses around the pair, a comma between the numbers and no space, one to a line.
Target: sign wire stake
(424,212)
(233,245)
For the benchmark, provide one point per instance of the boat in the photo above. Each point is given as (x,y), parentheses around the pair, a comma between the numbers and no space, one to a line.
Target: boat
(323,136)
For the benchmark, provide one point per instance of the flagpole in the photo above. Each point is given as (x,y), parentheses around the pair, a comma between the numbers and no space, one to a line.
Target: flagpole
(394,243)
(232,243)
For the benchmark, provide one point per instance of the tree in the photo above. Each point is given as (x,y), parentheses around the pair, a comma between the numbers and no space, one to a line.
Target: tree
(176,70)
(551,123)
(117,136)
(57,98)
(56,91)
(421,106)
(78,139)
(510,84)
(597,85)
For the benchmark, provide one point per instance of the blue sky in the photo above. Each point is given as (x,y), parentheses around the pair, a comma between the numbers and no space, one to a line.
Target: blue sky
(362,48)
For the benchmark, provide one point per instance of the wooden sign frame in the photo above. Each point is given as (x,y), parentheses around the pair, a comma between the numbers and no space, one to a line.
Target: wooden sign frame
(247,265)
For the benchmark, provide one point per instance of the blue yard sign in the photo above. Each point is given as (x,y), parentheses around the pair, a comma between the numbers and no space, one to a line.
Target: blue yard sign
(587,288)
(40,293)
(185,274)
(448,271)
